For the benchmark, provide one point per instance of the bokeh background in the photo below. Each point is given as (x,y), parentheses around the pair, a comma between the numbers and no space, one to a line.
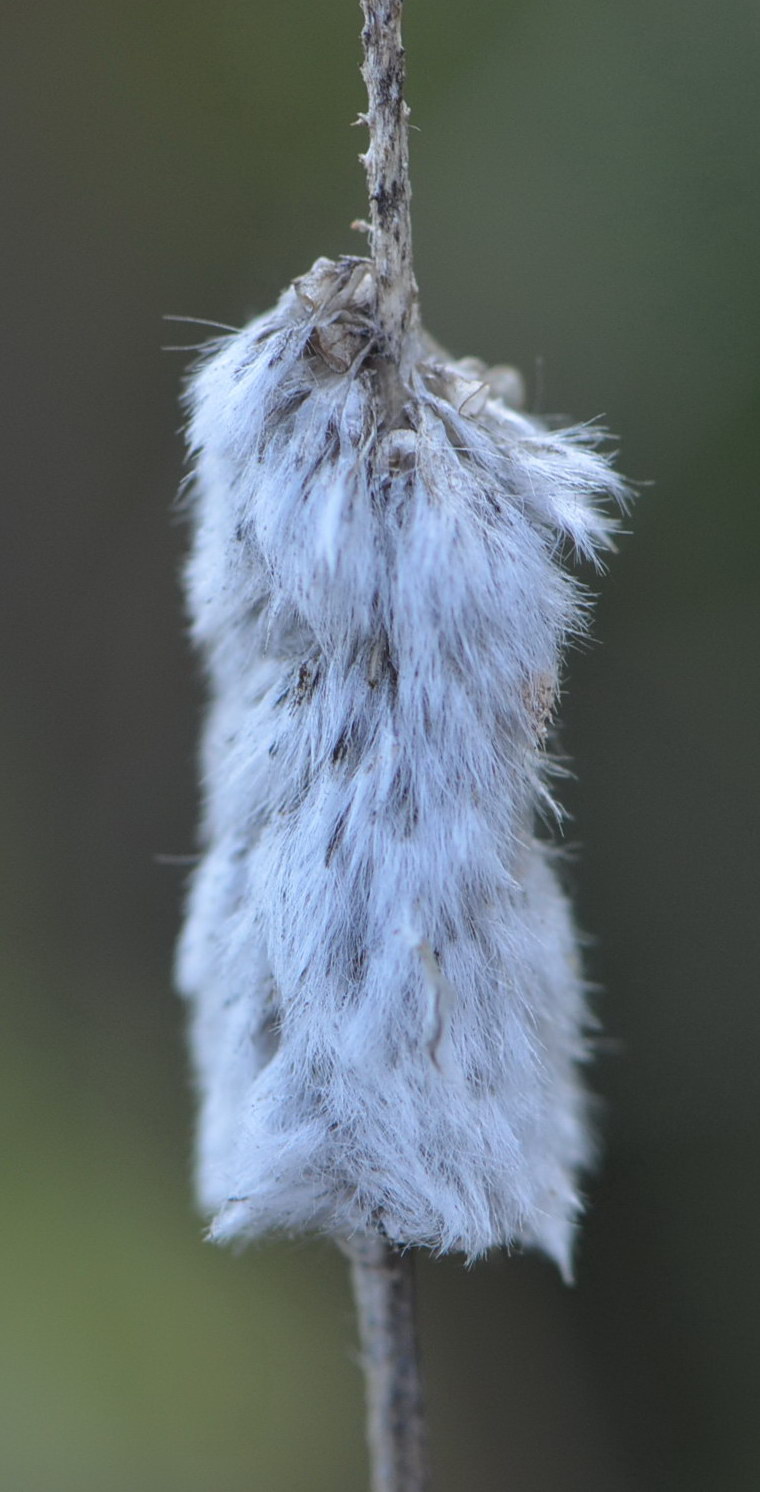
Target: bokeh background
(586,206)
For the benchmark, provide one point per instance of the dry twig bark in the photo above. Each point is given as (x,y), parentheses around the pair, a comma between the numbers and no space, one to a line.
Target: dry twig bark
(383,1281)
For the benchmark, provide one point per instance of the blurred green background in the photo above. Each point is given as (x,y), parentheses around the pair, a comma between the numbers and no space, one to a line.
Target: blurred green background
(586,206)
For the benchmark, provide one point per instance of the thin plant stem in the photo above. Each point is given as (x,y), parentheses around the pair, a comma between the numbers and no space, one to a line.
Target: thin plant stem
(383,1283)
(386,162)
(383,1276)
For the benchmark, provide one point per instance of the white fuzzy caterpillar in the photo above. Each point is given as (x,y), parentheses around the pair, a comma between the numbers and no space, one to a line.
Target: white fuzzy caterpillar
(388,1014)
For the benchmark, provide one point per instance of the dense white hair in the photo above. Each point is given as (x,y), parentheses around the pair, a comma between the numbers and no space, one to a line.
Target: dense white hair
(387,1008)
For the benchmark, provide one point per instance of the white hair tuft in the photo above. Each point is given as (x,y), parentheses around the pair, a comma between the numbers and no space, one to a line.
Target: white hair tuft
(388,1011)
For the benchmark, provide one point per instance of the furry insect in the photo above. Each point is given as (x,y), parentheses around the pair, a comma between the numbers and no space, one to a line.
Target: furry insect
(375,588)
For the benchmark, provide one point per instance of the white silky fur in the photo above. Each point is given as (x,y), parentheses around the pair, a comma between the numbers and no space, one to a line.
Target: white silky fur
(387,1009)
